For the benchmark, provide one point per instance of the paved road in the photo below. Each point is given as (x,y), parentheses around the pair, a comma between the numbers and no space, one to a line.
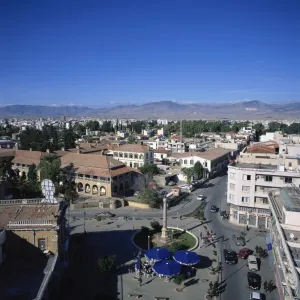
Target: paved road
(235,275)
(187,207)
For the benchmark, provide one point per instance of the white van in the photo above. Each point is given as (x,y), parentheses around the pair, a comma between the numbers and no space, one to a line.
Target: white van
(252,263)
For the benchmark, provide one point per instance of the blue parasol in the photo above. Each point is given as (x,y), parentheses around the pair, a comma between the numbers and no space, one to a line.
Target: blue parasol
(158,254)
(167,268)
(187,258)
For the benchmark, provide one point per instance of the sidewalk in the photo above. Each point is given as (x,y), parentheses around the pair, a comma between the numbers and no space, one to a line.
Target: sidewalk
(151,287)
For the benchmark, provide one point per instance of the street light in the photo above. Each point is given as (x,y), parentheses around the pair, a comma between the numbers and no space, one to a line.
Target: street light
(148,242)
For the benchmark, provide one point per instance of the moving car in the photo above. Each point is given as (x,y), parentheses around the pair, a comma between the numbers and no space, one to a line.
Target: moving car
(256,296)
(254,281)
(244,253)
(230,257)
(252,263)
(200,197)
(213,209)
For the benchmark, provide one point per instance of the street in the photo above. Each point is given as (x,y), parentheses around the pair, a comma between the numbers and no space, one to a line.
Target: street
(234,276)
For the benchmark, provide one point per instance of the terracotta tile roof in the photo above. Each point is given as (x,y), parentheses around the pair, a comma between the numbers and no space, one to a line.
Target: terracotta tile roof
(175,137)
(162,151)
(120,171)
(134,148)
(29,157)
(7,152)
(90,161)
(265,147)
(27,212)
(209,155)
(93,171)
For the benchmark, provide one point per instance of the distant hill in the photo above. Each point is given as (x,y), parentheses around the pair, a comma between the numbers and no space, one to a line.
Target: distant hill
(163,109)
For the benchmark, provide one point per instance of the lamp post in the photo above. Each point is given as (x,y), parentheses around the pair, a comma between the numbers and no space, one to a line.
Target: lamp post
(148,242)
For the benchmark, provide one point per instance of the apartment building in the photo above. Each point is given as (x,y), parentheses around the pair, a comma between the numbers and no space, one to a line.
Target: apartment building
(134,155)
(160,154)
(284,241)
(258,170)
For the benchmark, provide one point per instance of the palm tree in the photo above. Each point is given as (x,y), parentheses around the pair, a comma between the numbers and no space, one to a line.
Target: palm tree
(189,173)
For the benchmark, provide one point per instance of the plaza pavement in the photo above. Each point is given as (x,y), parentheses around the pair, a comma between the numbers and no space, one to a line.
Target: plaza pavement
(150,287)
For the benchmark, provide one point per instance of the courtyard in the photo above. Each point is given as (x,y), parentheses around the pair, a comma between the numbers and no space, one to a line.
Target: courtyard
(114,236)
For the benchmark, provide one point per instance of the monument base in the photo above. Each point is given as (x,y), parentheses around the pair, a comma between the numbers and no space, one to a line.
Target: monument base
(159,240)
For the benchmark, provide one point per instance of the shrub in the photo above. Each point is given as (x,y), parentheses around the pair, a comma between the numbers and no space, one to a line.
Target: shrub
(178,279)
(156,226)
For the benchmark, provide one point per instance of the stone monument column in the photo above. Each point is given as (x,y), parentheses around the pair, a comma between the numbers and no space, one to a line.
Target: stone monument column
(164,228)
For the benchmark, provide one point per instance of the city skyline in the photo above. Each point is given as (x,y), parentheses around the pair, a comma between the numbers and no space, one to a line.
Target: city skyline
(116,53)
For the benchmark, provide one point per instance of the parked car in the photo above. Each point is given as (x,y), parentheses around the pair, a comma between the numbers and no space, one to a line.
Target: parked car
(256,296)
(254,281)
(244,253)
(200,197)
(136,193)
(213,209)
(252,263)
(240,241)
(230,257)
(171,183)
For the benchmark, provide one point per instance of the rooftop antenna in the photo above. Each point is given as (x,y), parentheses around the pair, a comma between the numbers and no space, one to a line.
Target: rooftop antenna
(48,190)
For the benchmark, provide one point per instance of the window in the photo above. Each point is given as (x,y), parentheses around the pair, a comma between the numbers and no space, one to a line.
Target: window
(231,197)
(125,155)
(269,178)
(232,175)
(185,161)
(116,154)
(245,199)
(42,244)
(232,186)
(290,164)
(135,156)
(245,188)
(191,162)
(288,179)
(246,177)
(120,154)
(235,214)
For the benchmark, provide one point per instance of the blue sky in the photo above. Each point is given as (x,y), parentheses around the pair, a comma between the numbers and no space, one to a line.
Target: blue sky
(136,51)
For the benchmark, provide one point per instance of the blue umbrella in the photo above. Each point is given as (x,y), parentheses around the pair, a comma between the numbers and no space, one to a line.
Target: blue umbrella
(167,267)
(158,253)
(185,257)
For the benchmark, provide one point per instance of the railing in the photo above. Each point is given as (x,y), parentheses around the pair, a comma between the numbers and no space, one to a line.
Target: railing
(21,202)
(31,223)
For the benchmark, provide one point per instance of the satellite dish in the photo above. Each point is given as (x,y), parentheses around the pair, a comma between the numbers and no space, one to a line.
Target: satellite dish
(292,236)
(48,190)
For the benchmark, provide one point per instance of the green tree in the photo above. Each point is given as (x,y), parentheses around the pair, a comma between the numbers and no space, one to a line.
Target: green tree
(23,176)
(179,279)
(149,169)
(155,226)
(259,130)
(93,125)
(189,173)
(150,197)
(131,140)
(67,177)
(50,169)
(198,169)
(107,264)
(177,246)
(274,126)
(32,174)
(213,290)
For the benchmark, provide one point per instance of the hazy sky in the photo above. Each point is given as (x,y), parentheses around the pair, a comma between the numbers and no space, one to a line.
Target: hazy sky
(135,51)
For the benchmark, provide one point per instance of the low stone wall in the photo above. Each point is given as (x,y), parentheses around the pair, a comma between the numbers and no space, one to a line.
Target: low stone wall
(175,228)
(137,204)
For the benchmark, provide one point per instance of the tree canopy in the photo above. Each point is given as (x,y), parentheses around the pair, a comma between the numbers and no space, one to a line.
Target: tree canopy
(50,168)
(189,173)
(198,169)
(149,169)
(150,197)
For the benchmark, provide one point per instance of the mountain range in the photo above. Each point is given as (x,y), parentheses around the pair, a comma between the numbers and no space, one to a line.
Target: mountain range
(164,109)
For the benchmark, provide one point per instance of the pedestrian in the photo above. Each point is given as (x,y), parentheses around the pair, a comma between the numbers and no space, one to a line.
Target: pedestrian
(265,285)
(270,286)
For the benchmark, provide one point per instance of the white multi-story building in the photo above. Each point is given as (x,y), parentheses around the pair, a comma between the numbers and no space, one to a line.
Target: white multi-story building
(213,160)
(284,241)
(160,154)
(134,155)
(252,177)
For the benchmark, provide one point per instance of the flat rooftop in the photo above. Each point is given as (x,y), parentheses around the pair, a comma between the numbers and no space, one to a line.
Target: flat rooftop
(17,213)
(254,166)
(290,198)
